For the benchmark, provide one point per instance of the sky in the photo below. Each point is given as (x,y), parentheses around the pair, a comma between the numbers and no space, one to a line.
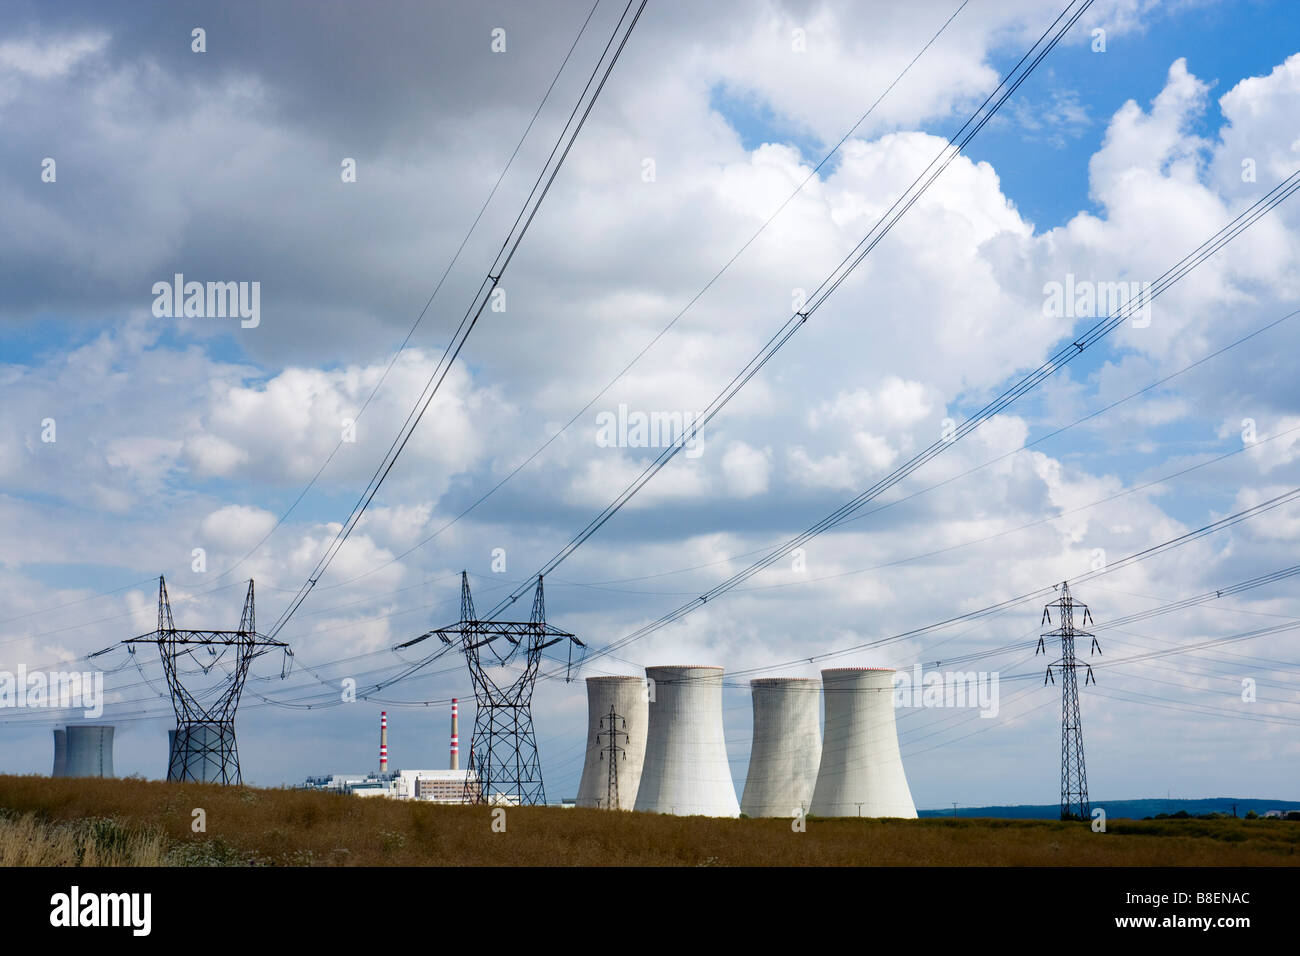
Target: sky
(134,444)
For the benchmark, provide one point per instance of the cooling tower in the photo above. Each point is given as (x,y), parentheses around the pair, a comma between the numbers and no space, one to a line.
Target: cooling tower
(629,699)
(787,746)
(60,754)
(861,772)
(196,752)
(686,770)
(89,750)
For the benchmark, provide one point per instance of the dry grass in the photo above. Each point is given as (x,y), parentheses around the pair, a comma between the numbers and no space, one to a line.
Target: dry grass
(28,841)
(288,827)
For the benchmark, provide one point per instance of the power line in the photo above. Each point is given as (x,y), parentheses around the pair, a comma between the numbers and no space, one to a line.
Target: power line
(1188,263)
(546,178)
(682,312)
(443,278)
(953,148)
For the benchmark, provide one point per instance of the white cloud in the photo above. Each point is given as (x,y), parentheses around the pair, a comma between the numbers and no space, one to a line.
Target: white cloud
(44,59)
(236,526)
(747,469)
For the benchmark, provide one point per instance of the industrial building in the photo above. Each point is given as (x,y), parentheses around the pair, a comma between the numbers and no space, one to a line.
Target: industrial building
(617,705)
(685,771)
(861,770)
(435,786)
(83,750)
(786,749)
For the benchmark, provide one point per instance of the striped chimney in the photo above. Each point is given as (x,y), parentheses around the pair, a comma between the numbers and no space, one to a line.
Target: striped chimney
(455,736)
(383,741)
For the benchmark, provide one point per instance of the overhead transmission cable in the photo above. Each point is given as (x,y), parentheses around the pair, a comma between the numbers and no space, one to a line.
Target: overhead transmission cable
(546,178)
(680,314)
(951,150)
(1168,545)
(1187,264)
(433,295)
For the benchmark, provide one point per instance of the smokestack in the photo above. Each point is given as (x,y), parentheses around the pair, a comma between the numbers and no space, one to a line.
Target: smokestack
(383,741)
(455,734)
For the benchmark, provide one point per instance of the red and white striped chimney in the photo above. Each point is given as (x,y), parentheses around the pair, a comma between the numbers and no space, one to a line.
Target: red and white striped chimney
(383,741)
(455,735)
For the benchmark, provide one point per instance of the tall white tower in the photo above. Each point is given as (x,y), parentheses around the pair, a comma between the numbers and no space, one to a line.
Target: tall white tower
(787,746)
(686,770)
(629,698)
(861,772)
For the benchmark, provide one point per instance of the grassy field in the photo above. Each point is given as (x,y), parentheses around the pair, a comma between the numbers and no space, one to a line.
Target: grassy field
(139,822)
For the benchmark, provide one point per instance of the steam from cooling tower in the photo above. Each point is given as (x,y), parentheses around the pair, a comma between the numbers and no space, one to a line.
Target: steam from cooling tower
(629,698)
(786,748)
(686,770)
(861,771)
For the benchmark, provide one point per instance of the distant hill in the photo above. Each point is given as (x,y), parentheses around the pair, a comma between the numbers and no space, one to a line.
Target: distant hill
(1131,809)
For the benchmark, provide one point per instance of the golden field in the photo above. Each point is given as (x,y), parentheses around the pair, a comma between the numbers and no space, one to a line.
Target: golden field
(92,822)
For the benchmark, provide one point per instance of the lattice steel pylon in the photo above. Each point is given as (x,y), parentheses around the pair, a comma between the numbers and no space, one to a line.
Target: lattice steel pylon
(204,749)
(611,753)
(504,766)
(1074,775)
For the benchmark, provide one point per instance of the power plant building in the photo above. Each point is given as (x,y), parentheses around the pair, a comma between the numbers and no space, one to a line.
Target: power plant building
(686,771)
(786,748)
(628,698)
(861,770)
(453,785)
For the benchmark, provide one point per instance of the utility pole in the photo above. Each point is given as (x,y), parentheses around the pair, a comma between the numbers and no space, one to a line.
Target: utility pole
(1074,776)
(614,751)
(954,811)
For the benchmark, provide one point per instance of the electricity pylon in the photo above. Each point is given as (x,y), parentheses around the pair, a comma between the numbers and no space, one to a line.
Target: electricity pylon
(503,762)
(611,753)
(1074,775)
(204,748)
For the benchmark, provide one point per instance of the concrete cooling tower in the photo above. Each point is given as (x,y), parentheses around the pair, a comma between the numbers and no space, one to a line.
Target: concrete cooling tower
(195,752)
(861,772)
(60,753)
(629,699)
(787,746)
(686,771)
(89,750)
